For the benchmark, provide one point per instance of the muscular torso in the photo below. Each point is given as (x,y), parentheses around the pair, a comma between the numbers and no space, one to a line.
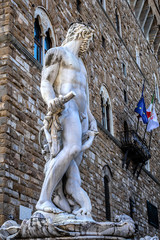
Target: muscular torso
(72,77)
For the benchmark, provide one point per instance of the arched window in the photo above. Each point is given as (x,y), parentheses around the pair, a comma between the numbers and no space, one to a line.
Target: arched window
(132,206)
(107,190)
(118,22)
(124,69)
(105,113)
(107,198)
(138,60)
(125,96)
(107,120)
(103,3)
(44,34)
(47,42)
(103,42)
(107,108)
(79,5)
(156,88)
(37,41)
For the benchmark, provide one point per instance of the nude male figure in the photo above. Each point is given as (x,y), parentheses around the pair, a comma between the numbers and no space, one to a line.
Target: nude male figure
(62,73)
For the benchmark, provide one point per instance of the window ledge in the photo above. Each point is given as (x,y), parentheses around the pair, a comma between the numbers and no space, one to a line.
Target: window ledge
(117,142)
(10,38)
(151,176)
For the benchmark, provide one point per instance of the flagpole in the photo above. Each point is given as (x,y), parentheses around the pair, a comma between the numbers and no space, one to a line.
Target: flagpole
(145,133)
(150,140)
(137,124)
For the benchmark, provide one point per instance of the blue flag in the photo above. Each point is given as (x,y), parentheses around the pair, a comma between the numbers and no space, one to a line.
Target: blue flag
(141,110)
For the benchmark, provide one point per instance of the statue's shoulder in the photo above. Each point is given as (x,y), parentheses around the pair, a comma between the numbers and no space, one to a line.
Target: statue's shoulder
(54,55)
(55,51)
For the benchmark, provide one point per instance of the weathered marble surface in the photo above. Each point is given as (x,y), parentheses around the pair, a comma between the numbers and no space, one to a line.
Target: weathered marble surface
(9,230)
(69,126)
(150,238)
(42,225)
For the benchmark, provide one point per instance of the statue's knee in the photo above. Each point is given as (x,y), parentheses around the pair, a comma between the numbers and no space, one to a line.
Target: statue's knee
(75,150)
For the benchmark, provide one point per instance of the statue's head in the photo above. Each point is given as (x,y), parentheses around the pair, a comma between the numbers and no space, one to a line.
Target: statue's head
(78,31)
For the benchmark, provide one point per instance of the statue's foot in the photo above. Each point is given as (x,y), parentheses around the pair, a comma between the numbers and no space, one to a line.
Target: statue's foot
(81,211)
(62,203)
(48,207)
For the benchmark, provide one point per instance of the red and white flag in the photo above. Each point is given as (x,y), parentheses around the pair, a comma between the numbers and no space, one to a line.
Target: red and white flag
(149,110)
(153,122)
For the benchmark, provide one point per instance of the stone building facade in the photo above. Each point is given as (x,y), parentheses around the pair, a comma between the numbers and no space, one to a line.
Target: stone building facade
(124,55)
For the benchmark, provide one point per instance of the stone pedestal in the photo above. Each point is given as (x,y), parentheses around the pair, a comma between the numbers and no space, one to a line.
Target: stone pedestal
(79,238)
(65,226)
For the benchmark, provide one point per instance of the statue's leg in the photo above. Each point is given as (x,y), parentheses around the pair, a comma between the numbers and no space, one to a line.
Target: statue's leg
(78,159)
(73,188)
(60,200)
(73,184)
(72,138)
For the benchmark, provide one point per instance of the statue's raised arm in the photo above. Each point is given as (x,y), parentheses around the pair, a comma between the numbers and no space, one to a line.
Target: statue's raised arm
(49,74)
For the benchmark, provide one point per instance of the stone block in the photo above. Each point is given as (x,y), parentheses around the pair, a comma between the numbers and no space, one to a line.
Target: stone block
(3,90)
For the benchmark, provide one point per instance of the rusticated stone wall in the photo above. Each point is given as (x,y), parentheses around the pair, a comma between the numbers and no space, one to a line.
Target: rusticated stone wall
(22,109)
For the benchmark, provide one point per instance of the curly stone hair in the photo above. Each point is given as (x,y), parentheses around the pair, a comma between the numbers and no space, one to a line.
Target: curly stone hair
(77,31)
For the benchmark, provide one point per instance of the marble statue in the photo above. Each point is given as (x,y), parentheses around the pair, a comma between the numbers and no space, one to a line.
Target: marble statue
(69,126)
(64,208)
